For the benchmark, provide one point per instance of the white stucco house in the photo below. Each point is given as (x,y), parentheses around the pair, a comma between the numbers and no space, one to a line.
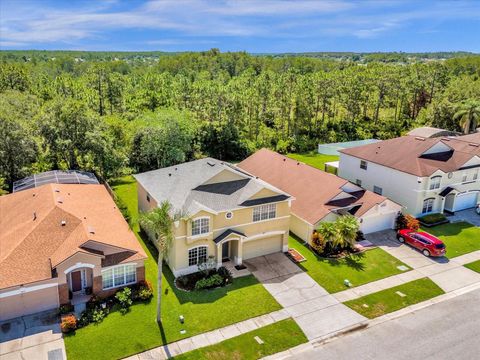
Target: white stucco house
(425,175)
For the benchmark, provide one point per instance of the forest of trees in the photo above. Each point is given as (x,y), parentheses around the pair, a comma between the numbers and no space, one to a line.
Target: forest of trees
(116,116)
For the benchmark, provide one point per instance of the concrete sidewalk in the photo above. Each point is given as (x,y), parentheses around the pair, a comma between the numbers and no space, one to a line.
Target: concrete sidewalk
(211,337)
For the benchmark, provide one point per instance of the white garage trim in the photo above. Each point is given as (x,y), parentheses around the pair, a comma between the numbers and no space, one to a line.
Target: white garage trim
(78,266)
(378,222)
(26,289)
(264,235)
(465,200)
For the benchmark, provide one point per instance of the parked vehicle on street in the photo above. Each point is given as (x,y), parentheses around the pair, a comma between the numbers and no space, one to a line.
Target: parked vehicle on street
(428,244)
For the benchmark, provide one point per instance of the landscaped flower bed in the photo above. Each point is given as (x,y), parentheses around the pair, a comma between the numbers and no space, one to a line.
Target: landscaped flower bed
(97,309)
(205,279)
(433,219)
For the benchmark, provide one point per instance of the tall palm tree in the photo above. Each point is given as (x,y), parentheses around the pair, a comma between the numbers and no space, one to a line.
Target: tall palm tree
(468,112)
(348,227)
(158,223)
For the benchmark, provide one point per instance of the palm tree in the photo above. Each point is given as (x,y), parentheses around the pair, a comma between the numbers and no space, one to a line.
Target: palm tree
(330,233)
(468,112)
(158,223)
(348,227)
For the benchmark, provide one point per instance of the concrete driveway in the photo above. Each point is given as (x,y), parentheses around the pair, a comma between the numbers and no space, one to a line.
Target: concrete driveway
(36,336)
(316,311)
(468,215)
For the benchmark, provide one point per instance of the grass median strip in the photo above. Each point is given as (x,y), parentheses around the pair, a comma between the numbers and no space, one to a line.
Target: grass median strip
(475,266)
(359,269)
(460,238)
(395,298)
(273,338)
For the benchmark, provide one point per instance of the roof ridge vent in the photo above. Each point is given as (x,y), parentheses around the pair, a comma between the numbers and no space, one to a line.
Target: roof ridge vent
(474,144)
(34,215)
(419,138)
(91,229)
(211,163)
(60,200)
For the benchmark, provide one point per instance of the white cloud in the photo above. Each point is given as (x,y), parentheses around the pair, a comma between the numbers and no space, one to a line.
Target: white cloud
(29,23)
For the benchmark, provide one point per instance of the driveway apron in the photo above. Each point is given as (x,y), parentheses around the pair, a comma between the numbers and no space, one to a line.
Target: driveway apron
(316,311)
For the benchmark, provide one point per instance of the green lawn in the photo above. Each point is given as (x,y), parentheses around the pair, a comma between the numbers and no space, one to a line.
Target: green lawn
(388,300)
(277,337)
(475,266)
(459,238)
(122,335)
(314,159)
(371,265)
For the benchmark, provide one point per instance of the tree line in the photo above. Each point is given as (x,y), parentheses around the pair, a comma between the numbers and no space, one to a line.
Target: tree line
(118,116)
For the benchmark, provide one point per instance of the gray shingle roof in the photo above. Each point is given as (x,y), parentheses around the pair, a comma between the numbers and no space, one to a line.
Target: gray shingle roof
(188,189)
(225,234)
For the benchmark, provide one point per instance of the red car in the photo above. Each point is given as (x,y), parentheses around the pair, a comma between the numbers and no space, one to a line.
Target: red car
(428,244)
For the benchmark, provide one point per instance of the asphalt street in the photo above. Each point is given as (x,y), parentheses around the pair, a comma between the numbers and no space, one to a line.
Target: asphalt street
(448,330)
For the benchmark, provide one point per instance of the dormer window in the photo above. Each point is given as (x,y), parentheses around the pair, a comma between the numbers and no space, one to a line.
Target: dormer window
(435,182)
(200,226)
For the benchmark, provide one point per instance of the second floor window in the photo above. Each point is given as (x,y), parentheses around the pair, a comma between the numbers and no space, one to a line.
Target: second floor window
(377,190)
(435,182)
(363,165)
(264,212)
(464,177)
(200,226)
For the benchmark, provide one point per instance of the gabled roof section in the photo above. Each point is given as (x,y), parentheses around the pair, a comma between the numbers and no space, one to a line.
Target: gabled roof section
(312,189)
(206,184)
(38,232)
(420,156)
(226,234)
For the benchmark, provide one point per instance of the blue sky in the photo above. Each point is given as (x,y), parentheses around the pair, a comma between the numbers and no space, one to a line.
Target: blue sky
(252,25)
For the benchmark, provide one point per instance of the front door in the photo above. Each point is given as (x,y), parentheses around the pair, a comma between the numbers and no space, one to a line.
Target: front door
(226,251)
(76,281)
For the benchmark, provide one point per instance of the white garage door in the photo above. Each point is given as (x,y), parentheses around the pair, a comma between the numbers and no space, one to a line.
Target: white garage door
(261,247)
(466,200)
(28,302)
(378,222)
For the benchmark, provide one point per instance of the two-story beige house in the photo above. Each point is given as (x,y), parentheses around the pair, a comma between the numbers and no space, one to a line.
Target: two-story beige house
(231,215)
(426,175)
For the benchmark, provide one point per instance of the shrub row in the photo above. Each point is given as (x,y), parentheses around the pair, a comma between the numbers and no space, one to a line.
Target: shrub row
(98,308)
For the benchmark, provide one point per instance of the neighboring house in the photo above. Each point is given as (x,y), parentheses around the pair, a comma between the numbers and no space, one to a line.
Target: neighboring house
(426,175)
(430,132)
(63,240)
(231,215)
(320,196)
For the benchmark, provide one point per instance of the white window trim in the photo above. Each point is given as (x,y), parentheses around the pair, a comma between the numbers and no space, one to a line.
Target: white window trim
(423,205)
(268,212)
(201,234)
(124,276)
(432,182)
(196,247)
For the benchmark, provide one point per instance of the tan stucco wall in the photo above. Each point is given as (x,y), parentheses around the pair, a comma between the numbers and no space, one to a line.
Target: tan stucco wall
(143,204)
(300,227)
(79,258)
(242,221)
